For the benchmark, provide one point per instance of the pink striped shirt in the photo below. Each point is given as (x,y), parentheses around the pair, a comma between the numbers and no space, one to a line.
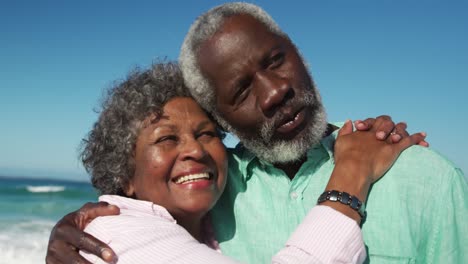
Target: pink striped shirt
(146,233)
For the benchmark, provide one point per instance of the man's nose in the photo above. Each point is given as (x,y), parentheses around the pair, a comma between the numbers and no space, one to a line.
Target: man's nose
(274,91)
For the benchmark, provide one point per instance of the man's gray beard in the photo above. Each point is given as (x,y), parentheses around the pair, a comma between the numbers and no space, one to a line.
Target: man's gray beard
(285,151)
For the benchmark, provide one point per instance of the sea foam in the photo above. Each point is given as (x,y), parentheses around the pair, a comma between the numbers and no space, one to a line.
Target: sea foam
(25,242)
(45,189)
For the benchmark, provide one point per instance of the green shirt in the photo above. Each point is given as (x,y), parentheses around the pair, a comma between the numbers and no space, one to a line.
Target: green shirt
(417,213)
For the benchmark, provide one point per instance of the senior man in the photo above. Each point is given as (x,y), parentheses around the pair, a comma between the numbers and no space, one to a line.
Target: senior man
(249,75)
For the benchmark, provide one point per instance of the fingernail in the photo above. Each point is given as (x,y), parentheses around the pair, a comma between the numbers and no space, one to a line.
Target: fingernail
(380,135)
(113,207)
(396,137)
(107,255)
(423,134)
(360,126)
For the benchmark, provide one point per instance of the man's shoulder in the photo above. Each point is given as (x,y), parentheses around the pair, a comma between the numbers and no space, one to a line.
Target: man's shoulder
(421,159)
(421,170)
(239,155)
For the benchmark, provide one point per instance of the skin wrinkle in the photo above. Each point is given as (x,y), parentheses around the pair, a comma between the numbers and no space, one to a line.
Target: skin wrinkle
(150,133)
(107,151)
(261,135)
(182,149)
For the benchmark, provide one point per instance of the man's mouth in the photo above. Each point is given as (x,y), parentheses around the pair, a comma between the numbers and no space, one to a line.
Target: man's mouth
(186,179)
(289,124)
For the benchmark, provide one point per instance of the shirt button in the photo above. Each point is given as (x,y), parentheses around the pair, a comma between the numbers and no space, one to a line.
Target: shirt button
(294,195)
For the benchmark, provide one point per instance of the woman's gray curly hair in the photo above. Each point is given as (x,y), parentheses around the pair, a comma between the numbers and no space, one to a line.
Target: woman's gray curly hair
(108,150)
(204,27)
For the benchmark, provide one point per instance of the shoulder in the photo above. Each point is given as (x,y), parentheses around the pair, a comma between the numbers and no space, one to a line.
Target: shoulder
(130,224)
(423,174)
(426,162)
(238,153)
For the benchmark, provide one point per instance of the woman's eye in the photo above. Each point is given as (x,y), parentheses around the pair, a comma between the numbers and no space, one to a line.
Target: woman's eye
(169,138)
(207,134)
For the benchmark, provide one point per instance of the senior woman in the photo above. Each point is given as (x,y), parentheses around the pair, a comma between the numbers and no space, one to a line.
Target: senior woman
(159,157)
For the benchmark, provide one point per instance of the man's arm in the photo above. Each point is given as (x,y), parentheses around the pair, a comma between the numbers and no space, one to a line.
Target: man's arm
(324,235)
(359,161)
(447,241)
(67,237)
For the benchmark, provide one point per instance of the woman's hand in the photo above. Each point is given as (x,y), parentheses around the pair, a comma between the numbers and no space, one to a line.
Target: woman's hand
(361,159)
(372,158)
(67,237)
(385,129)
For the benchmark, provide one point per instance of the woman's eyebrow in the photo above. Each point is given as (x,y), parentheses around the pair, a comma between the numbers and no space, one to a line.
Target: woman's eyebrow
(203,124)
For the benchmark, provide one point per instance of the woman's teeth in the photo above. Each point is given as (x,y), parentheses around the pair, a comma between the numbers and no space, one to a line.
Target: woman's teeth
(192,178)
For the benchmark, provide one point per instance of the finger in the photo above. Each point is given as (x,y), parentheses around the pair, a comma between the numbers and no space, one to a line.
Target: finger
(83,241)
(398,133)
(346,129)
(364,125)
(58,252)
(51,259)
(383,126)
(413,139)
(424,143)
(90,211)
(73,258)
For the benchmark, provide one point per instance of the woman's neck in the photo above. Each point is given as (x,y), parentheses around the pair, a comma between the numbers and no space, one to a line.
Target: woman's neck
(193,226)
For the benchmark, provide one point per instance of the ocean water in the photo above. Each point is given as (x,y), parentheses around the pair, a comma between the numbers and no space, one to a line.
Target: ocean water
(29,208)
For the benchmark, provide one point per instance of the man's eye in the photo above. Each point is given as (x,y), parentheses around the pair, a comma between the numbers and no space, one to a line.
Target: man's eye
(243,88)
(276,60)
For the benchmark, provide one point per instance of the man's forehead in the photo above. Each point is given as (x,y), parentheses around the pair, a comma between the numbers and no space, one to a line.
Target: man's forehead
(239,35)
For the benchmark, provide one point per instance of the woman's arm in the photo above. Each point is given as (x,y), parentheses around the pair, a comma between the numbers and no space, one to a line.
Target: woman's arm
(67,237)
(360,160)
(154,237)
(326,236)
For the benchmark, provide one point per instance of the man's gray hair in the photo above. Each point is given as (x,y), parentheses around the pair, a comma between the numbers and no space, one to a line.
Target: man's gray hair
(204,27)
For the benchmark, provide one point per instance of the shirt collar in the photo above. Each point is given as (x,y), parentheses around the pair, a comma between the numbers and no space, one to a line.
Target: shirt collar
(248,159)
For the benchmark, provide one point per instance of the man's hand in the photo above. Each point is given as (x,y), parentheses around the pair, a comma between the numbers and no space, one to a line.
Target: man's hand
(385,129)
(67,237)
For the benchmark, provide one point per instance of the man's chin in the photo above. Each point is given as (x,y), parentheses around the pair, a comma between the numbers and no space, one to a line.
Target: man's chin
(284,150)
(281,151)
(287,150)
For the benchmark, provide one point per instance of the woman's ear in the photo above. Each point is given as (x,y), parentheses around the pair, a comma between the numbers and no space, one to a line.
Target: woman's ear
(130,191)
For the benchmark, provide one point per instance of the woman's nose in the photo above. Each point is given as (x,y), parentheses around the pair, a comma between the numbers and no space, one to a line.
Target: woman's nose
(192,149)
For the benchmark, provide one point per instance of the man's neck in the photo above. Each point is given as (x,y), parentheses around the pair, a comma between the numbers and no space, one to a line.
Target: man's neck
(292,168)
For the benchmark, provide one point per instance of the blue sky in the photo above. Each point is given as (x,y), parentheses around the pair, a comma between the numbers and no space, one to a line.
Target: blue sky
(408,59)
